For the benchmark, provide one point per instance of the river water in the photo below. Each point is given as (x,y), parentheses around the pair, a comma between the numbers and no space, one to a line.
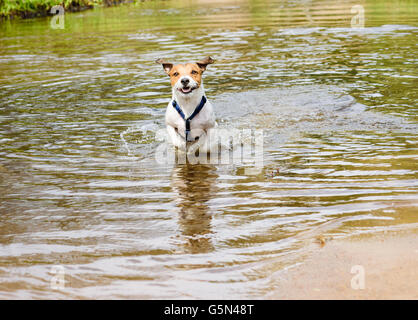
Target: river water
(81,190)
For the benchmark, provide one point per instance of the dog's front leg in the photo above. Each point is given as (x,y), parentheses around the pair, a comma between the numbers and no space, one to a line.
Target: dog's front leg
(176,139)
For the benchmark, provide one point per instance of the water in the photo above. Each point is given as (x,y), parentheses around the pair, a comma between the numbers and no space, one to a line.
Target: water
(80,107)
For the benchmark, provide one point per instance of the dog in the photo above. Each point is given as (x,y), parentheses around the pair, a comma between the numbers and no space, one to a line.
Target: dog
(189,116)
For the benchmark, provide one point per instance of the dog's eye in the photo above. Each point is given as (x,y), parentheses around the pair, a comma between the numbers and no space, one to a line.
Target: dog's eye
(175,74)
(194,72)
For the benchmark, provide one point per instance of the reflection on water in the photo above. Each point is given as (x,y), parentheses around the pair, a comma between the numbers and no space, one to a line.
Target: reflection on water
(336,105)
(194,185)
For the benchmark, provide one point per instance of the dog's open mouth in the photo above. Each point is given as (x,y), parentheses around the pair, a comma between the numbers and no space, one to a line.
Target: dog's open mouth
(186,90)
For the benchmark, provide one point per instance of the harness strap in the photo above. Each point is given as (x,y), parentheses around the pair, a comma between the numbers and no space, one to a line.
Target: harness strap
(187,121)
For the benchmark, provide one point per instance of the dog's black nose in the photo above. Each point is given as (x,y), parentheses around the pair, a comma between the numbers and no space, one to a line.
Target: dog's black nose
(185,81)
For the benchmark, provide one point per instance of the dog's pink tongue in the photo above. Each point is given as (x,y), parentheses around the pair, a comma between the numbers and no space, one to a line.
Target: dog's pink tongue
(185,89)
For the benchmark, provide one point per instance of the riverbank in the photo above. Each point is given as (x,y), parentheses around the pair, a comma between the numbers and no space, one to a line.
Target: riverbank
(10,9)
(388,262)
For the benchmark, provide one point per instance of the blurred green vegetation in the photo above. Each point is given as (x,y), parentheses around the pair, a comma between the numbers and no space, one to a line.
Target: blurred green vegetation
(35,8)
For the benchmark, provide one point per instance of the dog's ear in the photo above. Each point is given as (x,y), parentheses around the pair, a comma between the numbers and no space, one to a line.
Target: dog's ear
(166,65)
(204,62)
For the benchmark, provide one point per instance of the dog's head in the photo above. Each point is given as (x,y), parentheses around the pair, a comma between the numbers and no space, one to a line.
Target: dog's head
(186,78)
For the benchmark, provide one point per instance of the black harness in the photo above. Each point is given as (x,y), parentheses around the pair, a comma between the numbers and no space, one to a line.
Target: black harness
(187,121)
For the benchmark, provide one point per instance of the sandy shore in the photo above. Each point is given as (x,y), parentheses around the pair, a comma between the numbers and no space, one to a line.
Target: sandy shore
(383,266)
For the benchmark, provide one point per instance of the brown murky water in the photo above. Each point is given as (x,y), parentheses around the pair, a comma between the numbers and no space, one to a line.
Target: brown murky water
(79,108)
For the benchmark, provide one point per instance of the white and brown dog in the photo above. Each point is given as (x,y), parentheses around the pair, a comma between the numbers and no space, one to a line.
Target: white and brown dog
(189,116)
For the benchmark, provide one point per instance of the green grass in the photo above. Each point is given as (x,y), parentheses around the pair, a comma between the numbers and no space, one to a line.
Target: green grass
(33,8)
